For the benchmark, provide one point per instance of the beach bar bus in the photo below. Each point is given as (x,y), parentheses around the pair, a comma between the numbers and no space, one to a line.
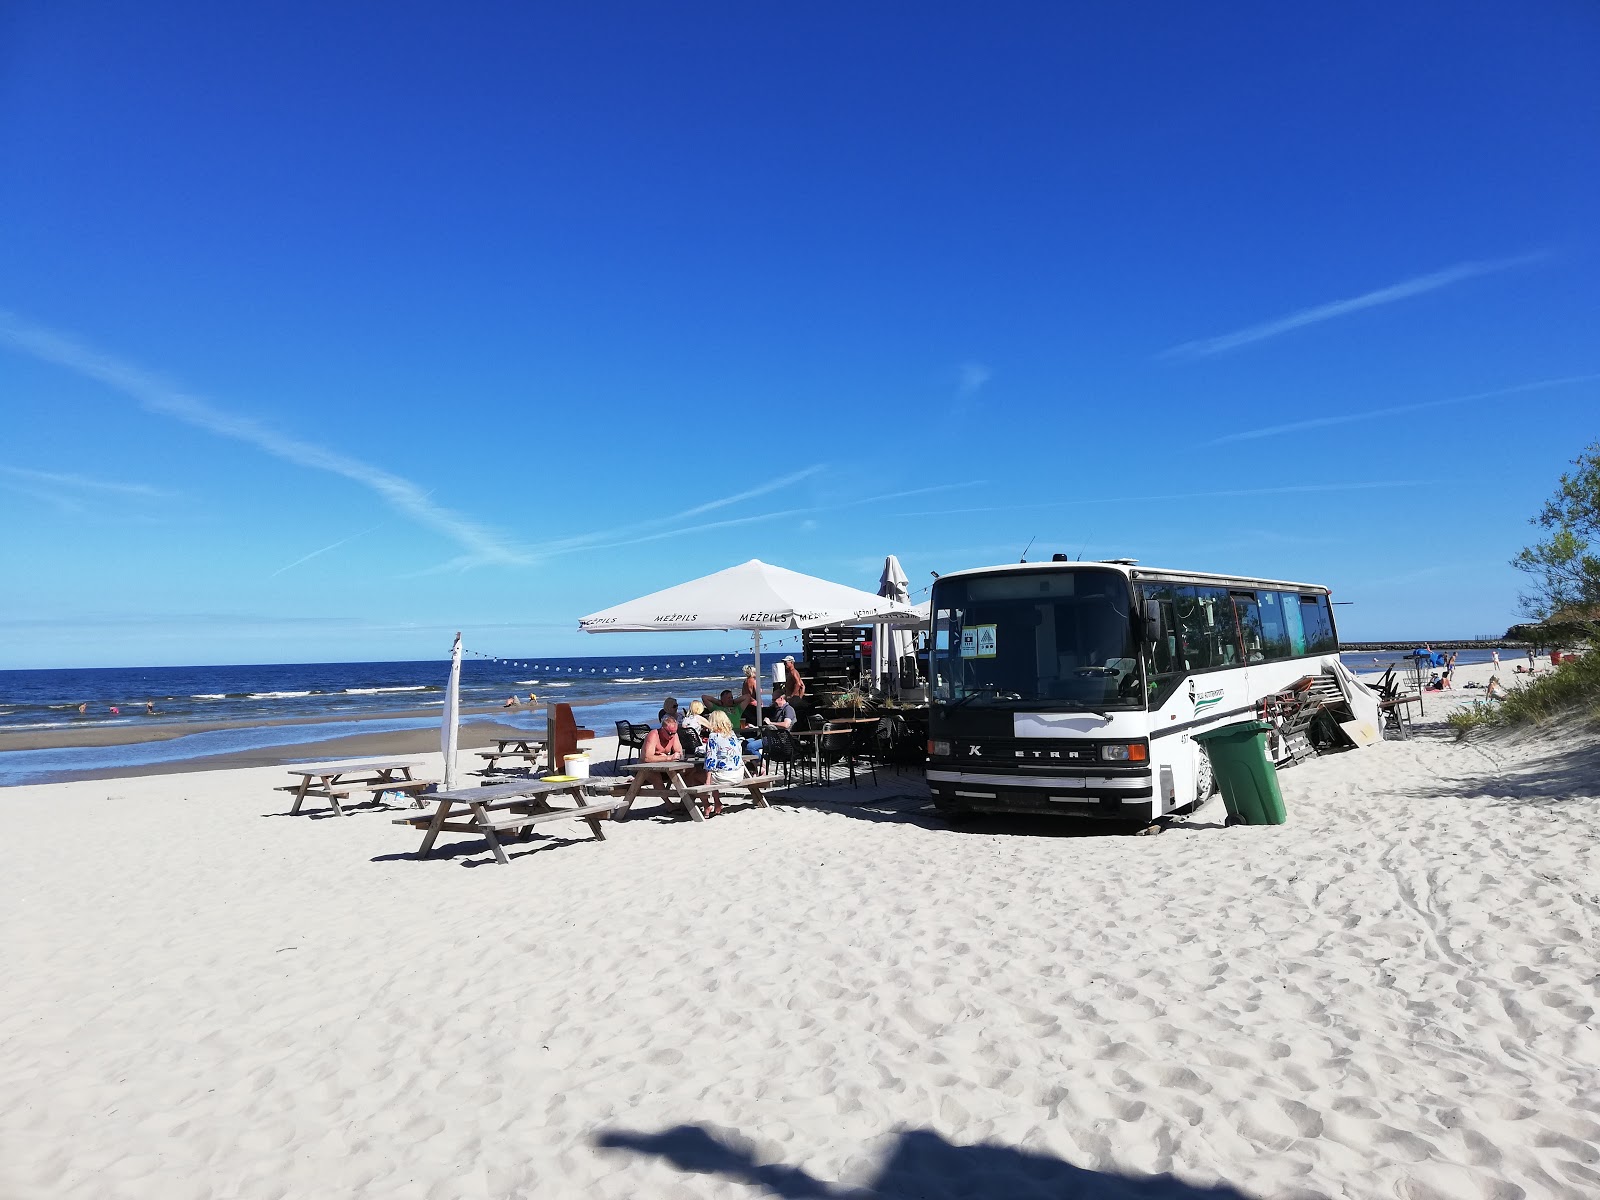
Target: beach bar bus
(1078,687)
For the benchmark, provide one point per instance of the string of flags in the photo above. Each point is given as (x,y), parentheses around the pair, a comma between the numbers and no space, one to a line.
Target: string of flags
(694,660)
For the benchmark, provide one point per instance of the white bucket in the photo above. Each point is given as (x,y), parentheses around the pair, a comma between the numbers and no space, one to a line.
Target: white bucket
(779,673)
(577,765)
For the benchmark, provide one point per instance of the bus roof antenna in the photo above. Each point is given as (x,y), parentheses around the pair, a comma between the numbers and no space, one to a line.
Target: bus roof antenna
(1028,547)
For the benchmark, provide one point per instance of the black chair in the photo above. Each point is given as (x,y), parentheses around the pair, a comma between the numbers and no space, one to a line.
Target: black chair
(837,749)
(689,739)
(630,735)
(780,748)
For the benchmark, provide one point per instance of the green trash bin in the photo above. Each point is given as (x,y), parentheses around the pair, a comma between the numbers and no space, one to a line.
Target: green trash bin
(1245,775)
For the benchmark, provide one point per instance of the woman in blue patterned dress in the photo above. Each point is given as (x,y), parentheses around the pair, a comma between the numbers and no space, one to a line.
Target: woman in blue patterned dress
(724,761)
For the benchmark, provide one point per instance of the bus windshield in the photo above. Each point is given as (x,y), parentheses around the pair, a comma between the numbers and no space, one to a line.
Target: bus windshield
(1050,639)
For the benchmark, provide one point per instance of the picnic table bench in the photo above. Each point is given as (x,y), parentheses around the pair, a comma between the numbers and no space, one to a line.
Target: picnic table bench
(665,779)
(514,807)
(529,748)
(333,781)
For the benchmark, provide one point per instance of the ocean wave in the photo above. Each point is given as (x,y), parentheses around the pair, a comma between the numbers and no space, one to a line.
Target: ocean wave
(415,687)
(275,695)
(558,685)
(210,696)
(526,682)
(640,679)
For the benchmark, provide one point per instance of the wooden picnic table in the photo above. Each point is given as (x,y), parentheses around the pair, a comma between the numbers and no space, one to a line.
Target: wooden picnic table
(665,779)
(372,775)
(529,747)
(514,807)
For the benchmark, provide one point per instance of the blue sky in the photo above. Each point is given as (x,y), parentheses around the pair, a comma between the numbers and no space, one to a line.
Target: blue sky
(328,330)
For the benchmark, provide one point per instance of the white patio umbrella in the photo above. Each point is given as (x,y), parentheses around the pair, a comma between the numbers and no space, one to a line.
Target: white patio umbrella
(450,726)
(755,595)
(888,643)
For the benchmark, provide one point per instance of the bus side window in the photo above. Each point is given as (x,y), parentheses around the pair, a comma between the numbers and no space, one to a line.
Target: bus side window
(1274,632)
(1291,619)
(1248,613)
(1317,618)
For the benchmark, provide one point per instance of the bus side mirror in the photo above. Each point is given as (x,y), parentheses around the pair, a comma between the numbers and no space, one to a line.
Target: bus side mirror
(1150,611)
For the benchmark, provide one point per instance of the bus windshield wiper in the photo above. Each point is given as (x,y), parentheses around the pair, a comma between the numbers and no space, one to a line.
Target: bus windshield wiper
(977,691)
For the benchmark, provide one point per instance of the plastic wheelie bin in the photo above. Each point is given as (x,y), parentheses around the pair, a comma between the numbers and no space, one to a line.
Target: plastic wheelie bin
(1245,775)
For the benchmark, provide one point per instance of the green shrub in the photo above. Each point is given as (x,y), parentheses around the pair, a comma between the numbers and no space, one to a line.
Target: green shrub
(1573,687)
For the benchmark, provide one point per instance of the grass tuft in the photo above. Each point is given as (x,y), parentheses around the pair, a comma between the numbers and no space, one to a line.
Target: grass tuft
(1573,687)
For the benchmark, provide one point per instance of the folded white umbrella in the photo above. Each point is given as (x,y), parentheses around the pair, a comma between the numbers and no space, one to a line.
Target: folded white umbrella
(754,596)
(888,642)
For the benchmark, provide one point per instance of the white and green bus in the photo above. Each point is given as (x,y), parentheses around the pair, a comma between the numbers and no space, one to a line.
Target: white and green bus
(1078,687)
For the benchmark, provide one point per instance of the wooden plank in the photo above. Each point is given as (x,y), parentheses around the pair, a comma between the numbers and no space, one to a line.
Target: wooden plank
(363,766)
(514,822)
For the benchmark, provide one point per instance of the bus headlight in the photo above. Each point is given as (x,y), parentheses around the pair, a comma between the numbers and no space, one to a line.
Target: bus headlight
(938,749)
(1124,752)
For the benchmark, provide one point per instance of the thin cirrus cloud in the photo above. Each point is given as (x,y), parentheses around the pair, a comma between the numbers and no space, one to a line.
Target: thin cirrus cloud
(1379,413)
(1404,290)
(1296,489)
(71,493)
(83,483)
(756,518)
(482,545)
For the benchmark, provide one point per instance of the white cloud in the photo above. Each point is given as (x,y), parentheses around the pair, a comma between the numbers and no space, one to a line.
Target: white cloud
(1404,290)
(971,378)
(482,545)
(1376,413)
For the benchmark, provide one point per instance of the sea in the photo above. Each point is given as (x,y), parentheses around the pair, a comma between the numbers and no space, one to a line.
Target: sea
(292,704)
(267,705)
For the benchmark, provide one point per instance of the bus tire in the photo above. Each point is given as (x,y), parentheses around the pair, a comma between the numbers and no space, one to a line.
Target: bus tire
(1205,780)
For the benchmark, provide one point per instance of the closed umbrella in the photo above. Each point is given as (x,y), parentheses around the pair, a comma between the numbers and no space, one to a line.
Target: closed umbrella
(888,643)
(449,729)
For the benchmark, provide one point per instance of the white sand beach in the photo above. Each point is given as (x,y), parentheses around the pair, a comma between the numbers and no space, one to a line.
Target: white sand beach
(1392,995)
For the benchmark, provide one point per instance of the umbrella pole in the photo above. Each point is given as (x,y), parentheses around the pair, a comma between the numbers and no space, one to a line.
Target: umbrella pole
(755,638)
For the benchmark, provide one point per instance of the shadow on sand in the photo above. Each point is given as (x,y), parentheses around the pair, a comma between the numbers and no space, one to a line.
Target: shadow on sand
(922,1165)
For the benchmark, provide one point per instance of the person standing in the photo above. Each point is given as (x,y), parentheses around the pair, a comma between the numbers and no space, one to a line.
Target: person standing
(750,697)
(1494,657)
(794,686)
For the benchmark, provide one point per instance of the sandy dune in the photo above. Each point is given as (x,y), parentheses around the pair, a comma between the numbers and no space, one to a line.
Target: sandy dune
(1394,995)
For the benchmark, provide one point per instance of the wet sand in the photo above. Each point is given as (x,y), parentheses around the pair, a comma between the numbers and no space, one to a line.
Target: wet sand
(476,732)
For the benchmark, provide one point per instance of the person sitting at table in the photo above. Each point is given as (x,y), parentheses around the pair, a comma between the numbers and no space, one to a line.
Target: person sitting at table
(669,708)
(696,720)
(783,715)
(724,761)
(661,744)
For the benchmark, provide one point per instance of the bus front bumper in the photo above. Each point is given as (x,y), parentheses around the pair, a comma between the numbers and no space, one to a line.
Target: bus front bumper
(1122,797)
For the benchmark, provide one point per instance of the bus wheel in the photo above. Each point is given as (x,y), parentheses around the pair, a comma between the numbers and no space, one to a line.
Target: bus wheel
(1205,781)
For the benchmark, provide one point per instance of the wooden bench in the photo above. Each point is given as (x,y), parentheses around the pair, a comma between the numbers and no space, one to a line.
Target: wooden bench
(751,784)
(509,807)
(325,783)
